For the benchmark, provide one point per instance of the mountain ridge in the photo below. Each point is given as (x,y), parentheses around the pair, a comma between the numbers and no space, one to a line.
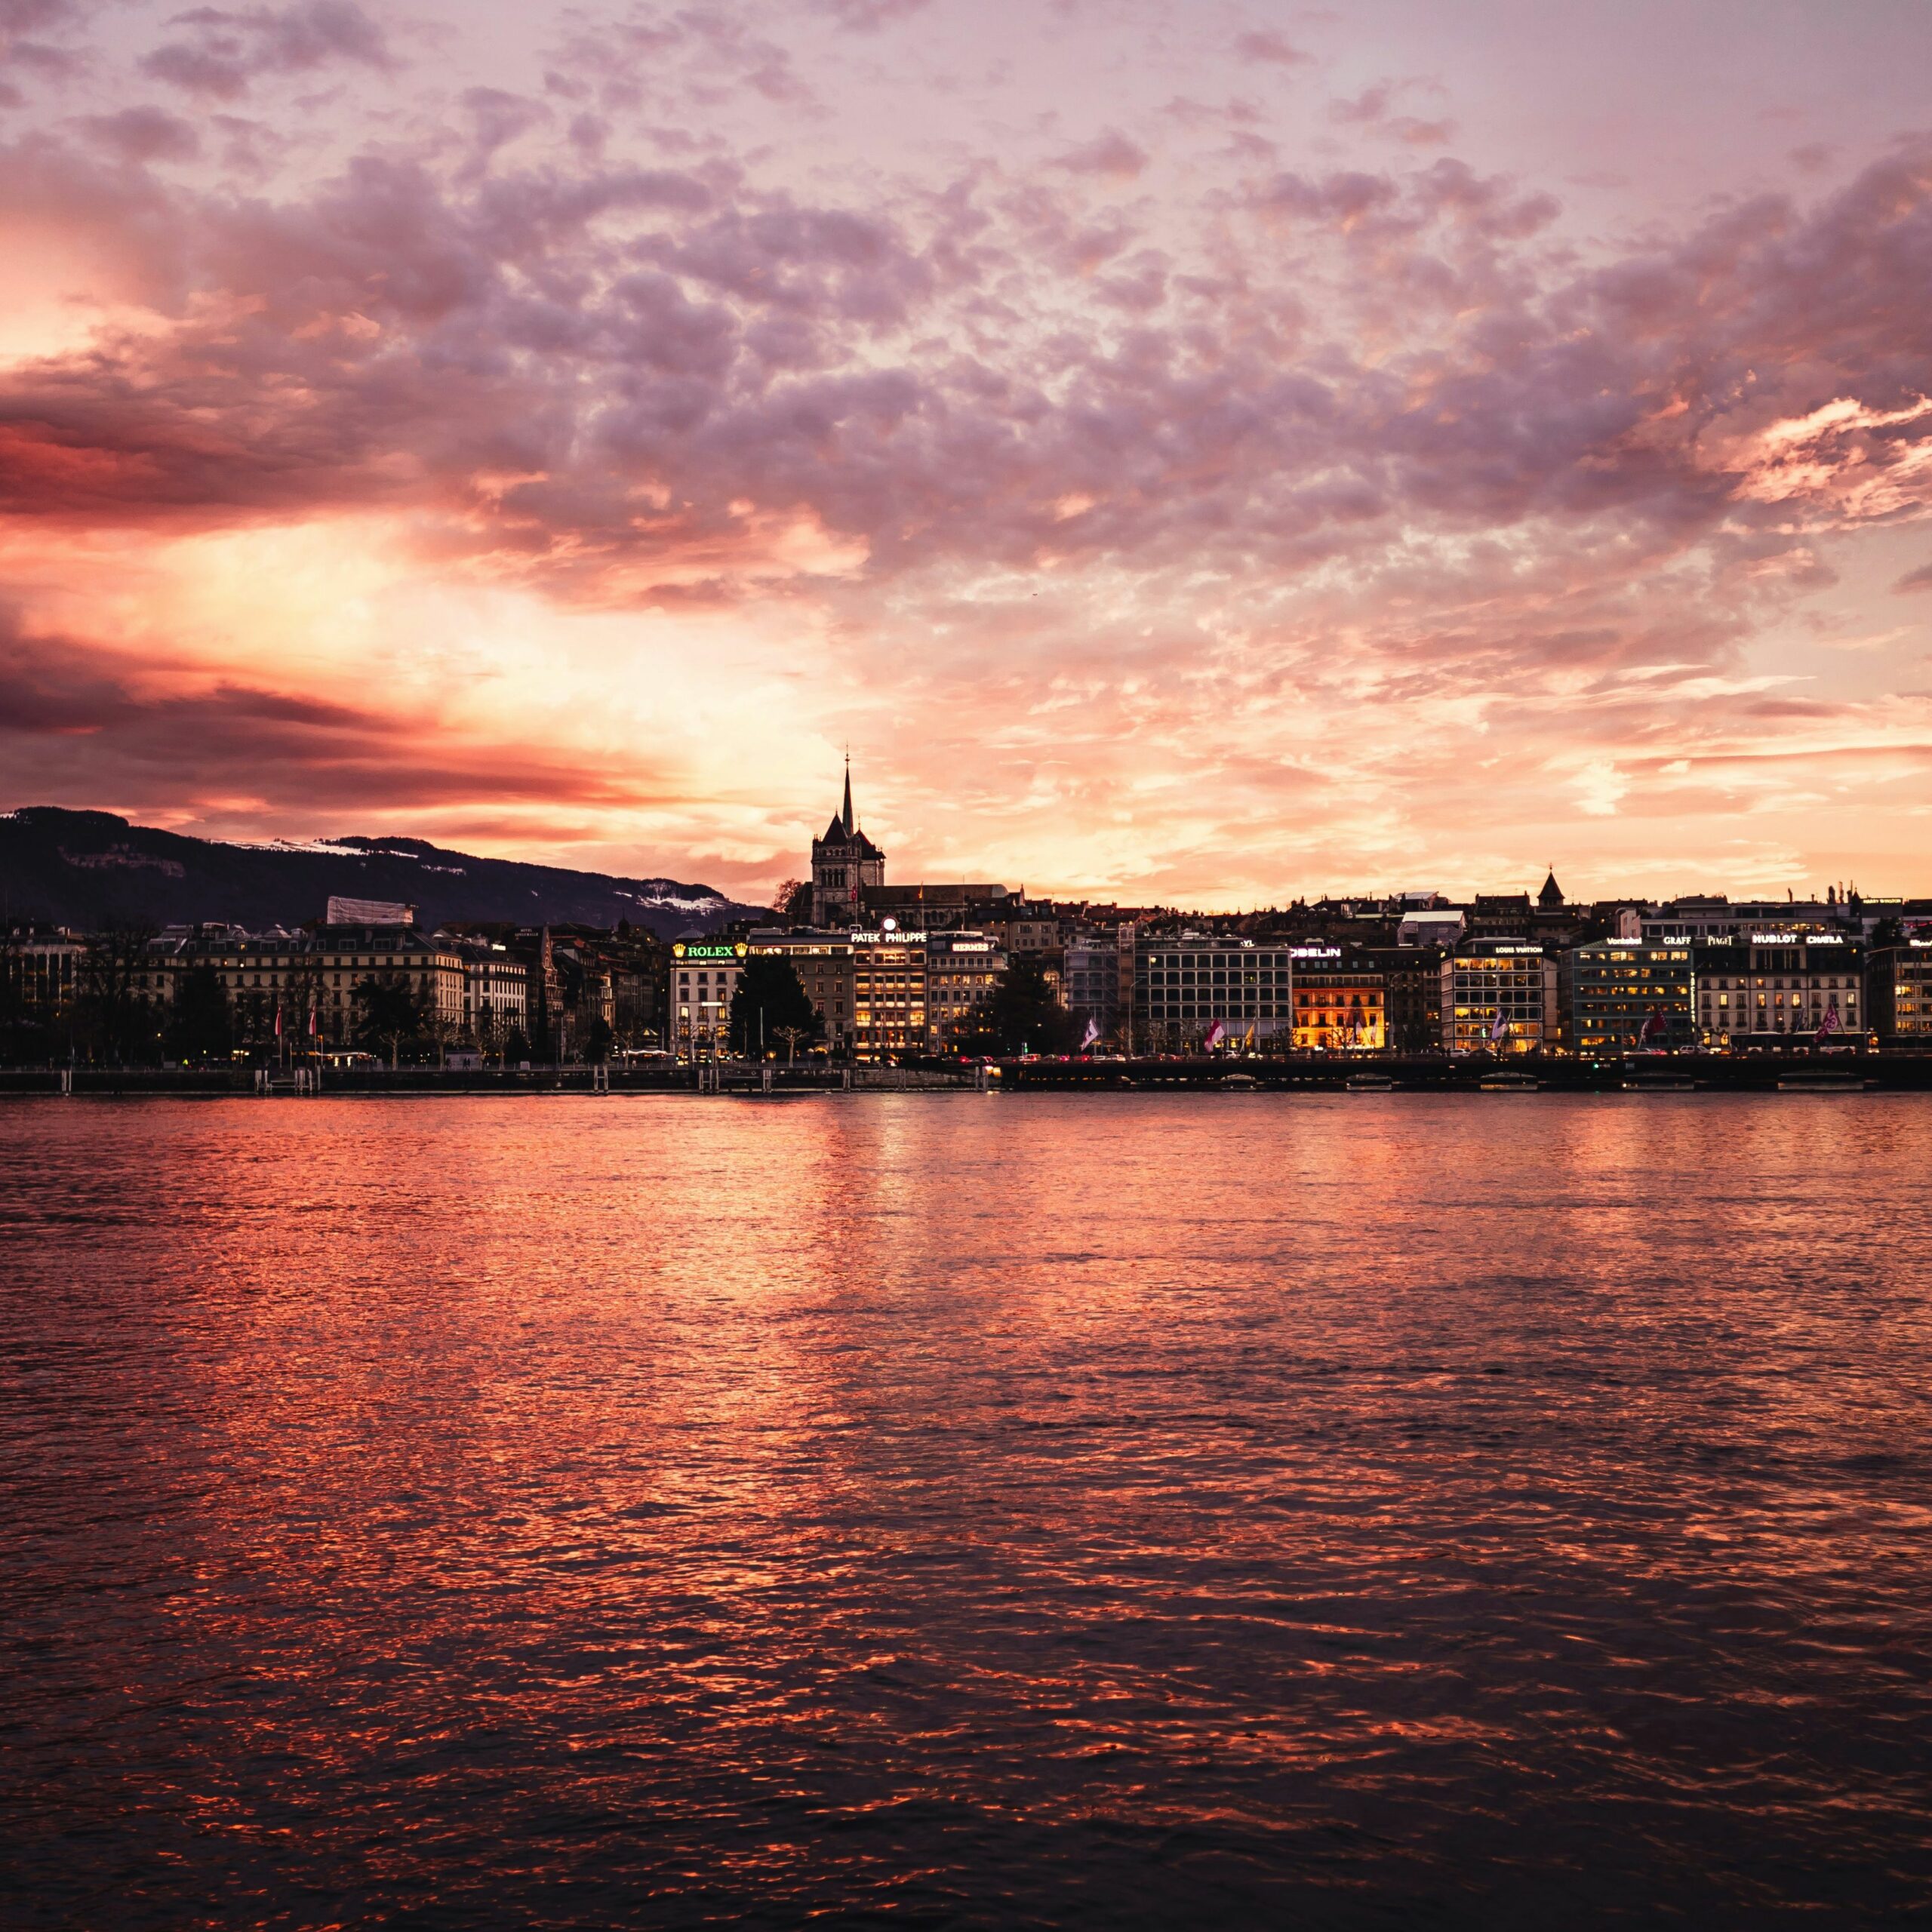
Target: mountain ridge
(94,869)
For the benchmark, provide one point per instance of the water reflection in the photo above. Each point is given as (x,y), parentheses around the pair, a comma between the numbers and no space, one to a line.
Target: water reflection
(1391,1509)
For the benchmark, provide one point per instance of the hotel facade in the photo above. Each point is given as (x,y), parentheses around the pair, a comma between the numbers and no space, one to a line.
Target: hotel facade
(1770,988)
(1191,988)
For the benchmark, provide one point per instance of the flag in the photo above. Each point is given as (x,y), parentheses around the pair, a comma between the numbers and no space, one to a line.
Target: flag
(1653,1026)
(278,1021)
(1217,1034)
(1499,1027)
(1092,1033)
(1829,1024)
(311,1019)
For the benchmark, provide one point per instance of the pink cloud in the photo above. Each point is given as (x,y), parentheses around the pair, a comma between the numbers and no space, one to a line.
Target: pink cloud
(1111,155)
(224,53)
(1272,442)
(1270,48)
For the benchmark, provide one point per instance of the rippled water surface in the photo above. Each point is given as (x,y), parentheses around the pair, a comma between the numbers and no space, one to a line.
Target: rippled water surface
(946,1509)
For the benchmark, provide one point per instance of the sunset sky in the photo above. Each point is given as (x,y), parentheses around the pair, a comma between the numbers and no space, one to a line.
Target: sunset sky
(1199,452)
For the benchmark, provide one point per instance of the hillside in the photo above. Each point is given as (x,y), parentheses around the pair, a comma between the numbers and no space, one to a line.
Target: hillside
(90,870)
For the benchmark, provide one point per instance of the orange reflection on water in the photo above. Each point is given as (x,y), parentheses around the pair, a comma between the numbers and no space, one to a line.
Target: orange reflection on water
(973,1506)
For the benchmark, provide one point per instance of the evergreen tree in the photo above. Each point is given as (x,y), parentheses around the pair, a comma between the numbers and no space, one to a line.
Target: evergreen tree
(390,1014)
(1024,1014)
(201,1027)
(116,1017)
(770,996)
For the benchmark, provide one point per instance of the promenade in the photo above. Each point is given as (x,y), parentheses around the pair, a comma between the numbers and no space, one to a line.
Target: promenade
(1713,1073)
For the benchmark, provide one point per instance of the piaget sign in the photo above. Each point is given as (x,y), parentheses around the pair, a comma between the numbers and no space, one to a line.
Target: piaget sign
(703,949)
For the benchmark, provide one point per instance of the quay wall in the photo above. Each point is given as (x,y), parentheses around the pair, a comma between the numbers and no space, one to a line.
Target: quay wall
(1710,1073)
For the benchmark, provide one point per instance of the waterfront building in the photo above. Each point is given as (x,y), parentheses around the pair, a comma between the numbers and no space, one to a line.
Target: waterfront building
(300,988)
(1412,995)
(844,863)
(1191,988)
(1625,994)
(888,994)
(1501,996)
(883,991)
(961,970)
(638,967)
(340,957)
(1777,988)
(1339,1004)
(1097,976)
(303,989)
(704,975)
(496,992)
(824,963)
(44,966)
(580,991)
(1901,993)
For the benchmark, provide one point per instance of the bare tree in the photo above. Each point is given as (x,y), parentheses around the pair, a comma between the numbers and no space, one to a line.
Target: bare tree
(117,1012)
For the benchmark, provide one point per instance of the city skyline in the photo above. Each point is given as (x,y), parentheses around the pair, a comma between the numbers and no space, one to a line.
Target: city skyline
(118,856)
(1205,457)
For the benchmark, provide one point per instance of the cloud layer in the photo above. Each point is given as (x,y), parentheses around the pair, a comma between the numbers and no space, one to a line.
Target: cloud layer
(1225,501)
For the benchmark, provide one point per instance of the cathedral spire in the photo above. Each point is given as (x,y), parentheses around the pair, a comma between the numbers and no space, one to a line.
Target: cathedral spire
(847,815)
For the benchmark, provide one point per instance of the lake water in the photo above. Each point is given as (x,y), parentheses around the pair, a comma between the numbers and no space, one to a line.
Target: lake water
(948,1509)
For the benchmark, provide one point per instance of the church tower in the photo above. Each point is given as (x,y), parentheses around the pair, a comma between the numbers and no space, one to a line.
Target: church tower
(843,861)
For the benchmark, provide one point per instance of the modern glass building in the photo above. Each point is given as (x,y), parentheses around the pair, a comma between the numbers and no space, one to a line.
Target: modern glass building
(1187,985)
(1902,993)
(1627,995)
(1499,995)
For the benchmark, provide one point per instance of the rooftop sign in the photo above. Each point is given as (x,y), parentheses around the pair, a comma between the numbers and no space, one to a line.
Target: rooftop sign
(707,949)
(1797,939)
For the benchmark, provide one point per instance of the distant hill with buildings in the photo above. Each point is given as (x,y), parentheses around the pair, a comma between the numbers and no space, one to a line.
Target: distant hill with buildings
(91,869)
